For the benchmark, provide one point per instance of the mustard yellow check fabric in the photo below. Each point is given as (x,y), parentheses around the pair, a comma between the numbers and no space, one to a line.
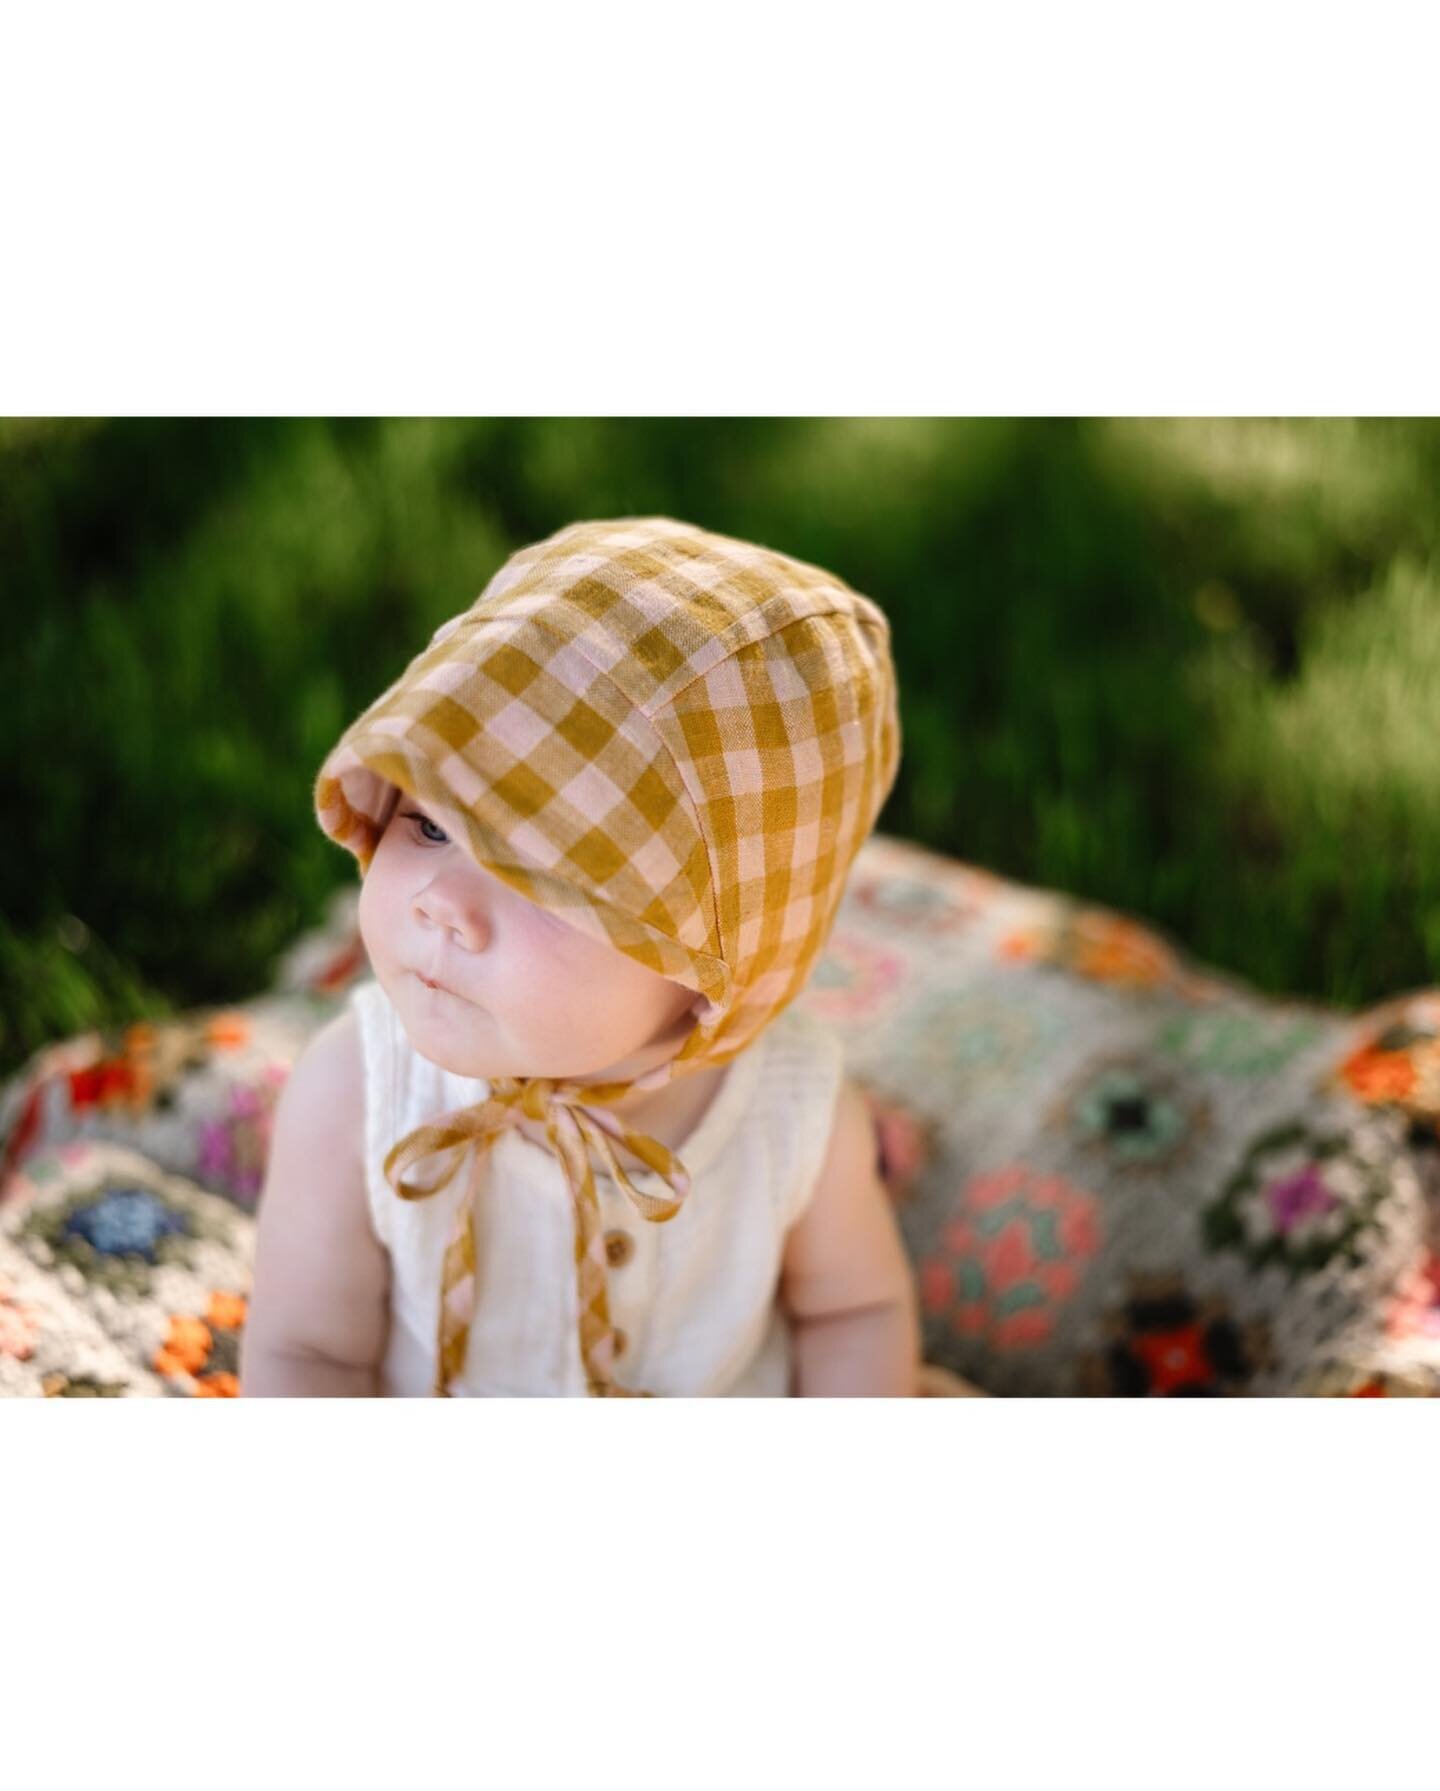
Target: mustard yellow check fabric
(676,742)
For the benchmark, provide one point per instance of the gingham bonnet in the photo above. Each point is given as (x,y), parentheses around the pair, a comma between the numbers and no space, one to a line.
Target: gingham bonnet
(675,741)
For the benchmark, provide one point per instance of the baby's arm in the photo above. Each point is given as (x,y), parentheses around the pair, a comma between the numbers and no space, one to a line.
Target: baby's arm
(845,1278)
(318,1313)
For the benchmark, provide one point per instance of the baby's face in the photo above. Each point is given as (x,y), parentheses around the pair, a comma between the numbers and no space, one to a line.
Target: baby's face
(521,993)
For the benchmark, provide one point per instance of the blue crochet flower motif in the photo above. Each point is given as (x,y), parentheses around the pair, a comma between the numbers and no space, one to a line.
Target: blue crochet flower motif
(125,1222)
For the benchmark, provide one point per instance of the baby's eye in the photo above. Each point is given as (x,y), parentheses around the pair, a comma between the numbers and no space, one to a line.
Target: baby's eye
(425,821)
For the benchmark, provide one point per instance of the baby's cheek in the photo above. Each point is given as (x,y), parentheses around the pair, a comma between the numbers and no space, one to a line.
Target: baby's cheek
(546,947)
(374,919)
(365,908)
(362,918)
(542,987)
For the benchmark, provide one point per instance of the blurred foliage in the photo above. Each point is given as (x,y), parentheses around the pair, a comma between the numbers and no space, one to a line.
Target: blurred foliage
(1186,668)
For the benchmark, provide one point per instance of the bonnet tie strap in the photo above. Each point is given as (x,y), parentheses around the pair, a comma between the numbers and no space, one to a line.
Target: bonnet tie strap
(578,1133)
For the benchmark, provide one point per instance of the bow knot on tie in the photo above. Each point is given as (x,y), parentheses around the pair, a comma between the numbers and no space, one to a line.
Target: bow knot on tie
(534,1095)
(580,1130)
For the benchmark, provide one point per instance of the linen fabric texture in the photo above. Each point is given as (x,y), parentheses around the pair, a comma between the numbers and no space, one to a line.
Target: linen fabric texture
(676,742)
(693,1303)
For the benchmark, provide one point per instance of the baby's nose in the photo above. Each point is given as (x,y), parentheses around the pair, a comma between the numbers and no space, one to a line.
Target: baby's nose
(455,911)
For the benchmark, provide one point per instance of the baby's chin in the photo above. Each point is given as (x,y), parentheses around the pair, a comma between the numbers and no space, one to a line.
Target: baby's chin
(472,1066)
(465,1040)
(477,1064)
(454,1035)
(465,1046)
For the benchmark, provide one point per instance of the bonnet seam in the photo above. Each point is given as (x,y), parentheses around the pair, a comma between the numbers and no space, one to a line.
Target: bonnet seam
(880,627)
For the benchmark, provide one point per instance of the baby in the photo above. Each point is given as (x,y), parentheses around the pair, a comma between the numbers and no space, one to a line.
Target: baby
(603,823)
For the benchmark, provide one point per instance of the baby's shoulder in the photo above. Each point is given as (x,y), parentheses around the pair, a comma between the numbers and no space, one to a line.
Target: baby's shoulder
(326,1083)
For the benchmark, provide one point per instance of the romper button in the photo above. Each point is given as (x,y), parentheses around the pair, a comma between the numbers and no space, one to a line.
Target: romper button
(619,1248)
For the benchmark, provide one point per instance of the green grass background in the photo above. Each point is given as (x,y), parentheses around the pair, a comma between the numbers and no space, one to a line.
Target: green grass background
(1185,668)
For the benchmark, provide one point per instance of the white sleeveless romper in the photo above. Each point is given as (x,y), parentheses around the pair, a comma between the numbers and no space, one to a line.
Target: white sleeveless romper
(693,1297)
